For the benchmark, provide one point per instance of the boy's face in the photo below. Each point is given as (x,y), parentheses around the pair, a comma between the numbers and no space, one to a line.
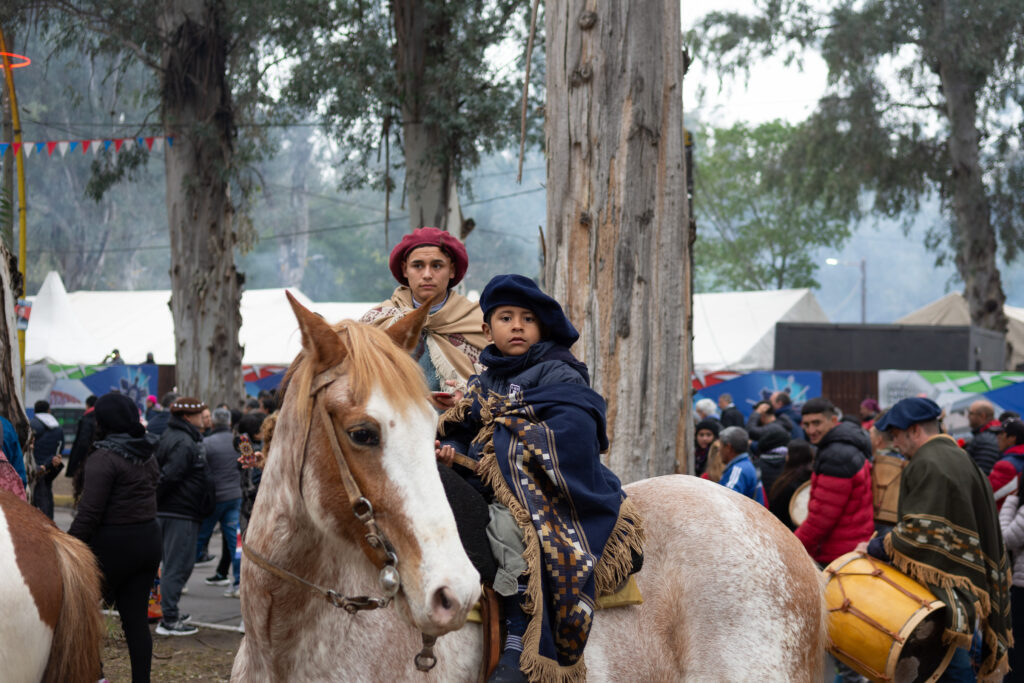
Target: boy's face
(428,270)
(512,329)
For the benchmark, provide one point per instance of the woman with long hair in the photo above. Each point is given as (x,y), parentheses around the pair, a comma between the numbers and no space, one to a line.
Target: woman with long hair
(797,470)
(715,467)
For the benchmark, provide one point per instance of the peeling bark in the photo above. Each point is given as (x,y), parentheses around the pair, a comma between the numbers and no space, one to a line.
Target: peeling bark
(11,406)
(205,286)
(617,246)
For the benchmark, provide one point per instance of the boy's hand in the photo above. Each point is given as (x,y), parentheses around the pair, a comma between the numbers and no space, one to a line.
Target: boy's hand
(445,454)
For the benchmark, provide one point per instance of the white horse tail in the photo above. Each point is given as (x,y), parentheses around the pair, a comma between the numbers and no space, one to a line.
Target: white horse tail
(77,637)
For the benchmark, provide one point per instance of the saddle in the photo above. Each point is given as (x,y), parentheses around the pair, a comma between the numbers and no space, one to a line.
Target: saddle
(488,613)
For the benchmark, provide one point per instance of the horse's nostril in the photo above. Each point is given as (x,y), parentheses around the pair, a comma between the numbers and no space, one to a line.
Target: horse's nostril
(445,602)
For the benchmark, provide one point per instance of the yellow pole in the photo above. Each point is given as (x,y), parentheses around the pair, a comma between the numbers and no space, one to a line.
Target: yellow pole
(19,164)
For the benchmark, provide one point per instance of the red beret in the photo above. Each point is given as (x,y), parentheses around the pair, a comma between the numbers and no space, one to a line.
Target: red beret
(430,237)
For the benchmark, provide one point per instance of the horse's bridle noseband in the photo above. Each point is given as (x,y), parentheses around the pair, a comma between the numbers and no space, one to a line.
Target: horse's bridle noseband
(389,579)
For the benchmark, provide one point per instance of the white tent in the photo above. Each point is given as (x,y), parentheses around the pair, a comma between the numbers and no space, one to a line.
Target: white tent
(83,327)
(736,330)
(952,309)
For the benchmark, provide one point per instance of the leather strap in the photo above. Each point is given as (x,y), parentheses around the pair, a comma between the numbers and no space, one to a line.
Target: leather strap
(490,623)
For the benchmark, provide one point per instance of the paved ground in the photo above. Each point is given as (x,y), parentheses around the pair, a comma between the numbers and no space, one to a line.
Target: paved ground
(207,604)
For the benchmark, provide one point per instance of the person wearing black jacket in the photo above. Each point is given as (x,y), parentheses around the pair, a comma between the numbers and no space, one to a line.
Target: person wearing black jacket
(181,496)
(117,519)
(49,442)
(85,434)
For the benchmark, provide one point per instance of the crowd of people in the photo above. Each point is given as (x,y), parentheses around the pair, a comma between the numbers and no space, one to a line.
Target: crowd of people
(891,484)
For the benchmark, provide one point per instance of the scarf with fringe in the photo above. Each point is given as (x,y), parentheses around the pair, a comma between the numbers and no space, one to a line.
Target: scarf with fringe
(453,334)
(948,538)
(542,459)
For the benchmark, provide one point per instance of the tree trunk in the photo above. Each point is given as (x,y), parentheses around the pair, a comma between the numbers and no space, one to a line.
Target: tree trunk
(11,406)
(205,286)
(975,237)
(293,250)
(428,171)
(616,250)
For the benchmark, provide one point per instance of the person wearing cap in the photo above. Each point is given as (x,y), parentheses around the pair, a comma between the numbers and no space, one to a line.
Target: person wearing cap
(869,409)
(704,435)
(948,537)
(529,432)
(1005,473)
(840,513)
(183,496)
(117,518)
(428,263)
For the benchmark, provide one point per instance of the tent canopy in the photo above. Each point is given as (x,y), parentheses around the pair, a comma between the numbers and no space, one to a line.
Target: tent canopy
(736,330)
(83,327)
(952,309)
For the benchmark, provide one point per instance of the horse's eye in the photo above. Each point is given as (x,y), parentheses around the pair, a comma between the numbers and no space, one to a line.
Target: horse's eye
(364,437)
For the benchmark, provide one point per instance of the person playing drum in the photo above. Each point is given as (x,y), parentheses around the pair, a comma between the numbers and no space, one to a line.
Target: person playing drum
(948,537)
(429,262)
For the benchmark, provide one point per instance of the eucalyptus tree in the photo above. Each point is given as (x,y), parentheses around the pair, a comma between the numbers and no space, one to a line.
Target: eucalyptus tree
(753,231)
(428,85)
(617,253)
(204,57)
(923,97)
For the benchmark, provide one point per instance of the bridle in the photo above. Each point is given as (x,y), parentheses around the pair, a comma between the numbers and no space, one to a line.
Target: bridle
(381,549)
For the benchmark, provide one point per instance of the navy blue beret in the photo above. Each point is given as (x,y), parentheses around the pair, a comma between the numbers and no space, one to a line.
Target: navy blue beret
(907,412)
(516,290)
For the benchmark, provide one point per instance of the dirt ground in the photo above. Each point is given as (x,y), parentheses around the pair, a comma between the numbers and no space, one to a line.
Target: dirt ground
(206,656)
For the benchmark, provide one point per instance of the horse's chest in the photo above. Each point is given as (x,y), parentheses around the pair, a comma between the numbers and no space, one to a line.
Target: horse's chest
(25,636)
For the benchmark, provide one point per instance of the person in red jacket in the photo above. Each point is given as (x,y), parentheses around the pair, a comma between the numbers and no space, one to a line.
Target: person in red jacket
(840,513)
(1003,477)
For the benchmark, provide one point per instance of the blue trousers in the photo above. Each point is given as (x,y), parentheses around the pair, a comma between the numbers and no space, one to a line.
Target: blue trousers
(226,513)
(959,669)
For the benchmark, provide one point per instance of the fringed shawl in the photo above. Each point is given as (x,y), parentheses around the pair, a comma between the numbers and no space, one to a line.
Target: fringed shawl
(542,459)
(948,538)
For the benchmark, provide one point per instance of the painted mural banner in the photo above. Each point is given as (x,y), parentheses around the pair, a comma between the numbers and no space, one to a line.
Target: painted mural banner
(67,386)
(752,387)
(954,391)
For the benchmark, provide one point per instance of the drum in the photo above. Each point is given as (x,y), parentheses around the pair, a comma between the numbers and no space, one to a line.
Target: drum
(799,502)
(884,624)
(885,486)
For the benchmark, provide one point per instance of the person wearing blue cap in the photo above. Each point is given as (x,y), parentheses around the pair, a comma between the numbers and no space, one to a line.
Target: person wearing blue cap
(948,538)
(529,433)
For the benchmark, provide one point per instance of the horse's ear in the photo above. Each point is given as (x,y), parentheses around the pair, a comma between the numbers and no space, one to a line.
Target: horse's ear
(406,332)
(318,337)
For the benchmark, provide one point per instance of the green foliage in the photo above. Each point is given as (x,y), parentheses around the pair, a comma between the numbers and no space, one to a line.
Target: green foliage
(753,231)
(342,64)
(883,128)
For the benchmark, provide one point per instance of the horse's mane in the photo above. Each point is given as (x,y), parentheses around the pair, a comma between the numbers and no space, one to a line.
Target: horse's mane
(372,360)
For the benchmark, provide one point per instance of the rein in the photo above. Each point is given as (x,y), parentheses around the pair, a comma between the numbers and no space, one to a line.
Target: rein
(389,579)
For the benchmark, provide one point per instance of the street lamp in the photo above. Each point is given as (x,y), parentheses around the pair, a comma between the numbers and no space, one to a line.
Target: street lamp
(863,283)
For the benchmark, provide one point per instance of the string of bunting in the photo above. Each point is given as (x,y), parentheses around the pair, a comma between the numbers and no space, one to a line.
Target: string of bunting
(152,143)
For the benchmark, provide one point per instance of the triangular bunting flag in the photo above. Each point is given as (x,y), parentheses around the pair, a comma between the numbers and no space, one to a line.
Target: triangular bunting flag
(96,144)
(3,148)
(118,142)
(85,146)
(40,146)
(128,143)
(50,146)
(158,144)
(71,147)
(17,148)
(62,147)
(28,150)
(149,143)
(170,141)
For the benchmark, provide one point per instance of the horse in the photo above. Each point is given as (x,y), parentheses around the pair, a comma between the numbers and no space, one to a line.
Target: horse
(51,628)
(351,515)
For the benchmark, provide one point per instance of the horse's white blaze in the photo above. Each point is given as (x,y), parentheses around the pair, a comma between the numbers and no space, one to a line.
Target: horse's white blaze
(26,638)
(410,465)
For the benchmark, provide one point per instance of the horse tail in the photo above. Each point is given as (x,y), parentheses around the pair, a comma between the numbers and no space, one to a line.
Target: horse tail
(77,637)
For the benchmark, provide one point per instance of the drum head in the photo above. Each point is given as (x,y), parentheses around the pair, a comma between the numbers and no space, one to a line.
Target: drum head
(923,656)
(799,502)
